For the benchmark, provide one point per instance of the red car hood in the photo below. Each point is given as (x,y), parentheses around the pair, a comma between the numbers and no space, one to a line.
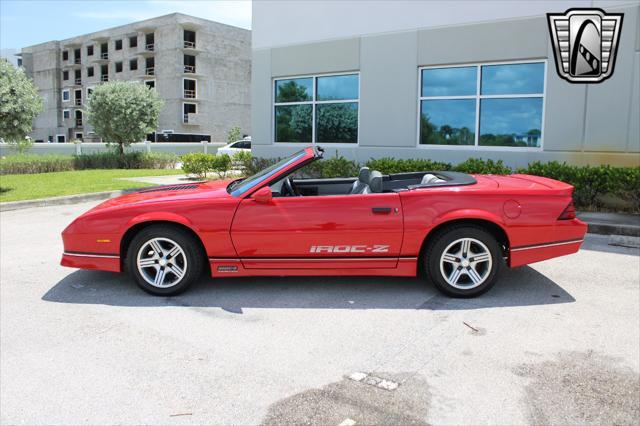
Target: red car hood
(179,192)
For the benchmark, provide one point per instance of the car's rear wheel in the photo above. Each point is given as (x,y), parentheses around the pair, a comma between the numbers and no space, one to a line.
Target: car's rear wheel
(164,260)
(463,261)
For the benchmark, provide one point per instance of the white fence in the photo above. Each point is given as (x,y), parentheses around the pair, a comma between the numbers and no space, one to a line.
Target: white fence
(178,148)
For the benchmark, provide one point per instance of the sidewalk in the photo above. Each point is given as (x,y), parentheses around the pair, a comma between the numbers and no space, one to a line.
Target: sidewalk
(612,223)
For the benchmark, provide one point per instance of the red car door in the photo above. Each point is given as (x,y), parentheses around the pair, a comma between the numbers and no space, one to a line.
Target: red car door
(307,232)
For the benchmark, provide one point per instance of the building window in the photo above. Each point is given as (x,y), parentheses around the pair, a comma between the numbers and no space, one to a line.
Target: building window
(119,44)
(65,55)
(61,138)
(89,92)
(318,109)
(79,136)
(66,114)
(189,39)
(90,72)
(133,41)
(119,66)
(66,95)
(133,64)
(90,50)
(77,56)
(482,105)
(19,62)
(189,88)
(189,64)
(189,113)
(151,84)
(65,75)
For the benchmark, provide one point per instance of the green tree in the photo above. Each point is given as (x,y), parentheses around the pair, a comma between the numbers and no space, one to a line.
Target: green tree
(20,102)
(124,112)
(234,134)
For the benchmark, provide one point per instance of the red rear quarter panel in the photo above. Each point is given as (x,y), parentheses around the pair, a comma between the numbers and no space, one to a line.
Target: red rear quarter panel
(526,209)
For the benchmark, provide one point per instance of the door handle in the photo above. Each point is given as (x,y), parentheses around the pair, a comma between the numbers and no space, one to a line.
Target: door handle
(381,210)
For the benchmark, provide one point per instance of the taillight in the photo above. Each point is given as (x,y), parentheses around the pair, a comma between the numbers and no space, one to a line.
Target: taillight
(569,212)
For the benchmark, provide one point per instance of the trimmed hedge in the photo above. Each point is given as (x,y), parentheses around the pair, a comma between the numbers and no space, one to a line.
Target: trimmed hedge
(130,160)
(28,164)
(592,183)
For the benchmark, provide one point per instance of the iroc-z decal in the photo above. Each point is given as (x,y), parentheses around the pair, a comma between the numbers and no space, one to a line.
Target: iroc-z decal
(375,248)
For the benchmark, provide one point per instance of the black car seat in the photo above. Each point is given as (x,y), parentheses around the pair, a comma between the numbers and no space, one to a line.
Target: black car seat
(361,186)
(375,182)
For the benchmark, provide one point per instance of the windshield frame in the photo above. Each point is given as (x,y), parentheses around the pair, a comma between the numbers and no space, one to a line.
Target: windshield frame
(238,188)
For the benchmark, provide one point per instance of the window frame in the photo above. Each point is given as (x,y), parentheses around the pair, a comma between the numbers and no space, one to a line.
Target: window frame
(68,95)
(68,111)
(115,44)
(313,102)
(478,98)
(195,80)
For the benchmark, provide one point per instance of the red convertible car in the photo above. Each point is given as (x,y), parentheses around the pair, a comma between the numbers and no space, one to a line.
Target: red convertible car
(456,228)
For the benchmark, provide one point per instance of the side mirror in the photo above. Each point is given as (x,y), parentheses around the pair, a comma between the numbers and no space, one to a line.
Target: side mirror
(263,195)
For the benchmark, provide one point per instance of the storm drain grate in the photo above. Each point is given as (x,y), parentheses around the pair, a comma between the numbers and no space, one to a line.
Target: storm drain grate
(374,381)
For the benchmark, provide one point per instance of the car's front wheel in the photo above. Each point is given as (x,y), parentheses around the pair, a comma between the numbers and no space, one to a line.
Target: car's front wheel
(164,260)
(463,261)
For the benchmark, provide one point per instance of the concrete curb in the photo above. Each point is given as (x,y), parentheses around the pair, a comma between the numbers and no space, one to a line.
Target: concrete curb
(59,201)
(610,229)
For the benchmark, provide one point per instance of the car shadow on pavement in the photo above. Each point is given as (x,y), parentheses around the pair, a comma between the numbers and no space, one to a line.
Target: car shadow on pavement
(522,286)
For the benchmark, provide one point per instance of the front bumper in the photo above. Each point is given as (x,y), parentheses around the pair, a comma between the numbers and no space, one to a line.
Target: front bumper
(96,261)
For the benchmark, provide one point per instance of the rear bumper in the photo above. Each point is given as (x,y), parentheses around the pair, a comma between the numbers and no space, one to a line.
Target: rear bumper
(101,262)
(572,233)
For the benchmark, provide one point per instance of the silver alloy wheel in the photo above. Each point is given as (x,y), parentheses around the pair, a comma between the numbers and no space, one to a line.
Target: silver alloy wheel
(162,262)
(466,263)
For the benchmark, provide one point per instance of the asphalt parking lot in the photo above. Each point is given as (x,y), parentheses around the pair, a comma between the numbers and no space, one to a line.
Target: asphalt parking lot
(556,342)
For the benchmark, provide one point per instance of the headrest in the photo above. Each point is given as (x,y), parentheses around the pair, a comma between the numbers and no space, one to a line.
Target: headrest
(364,175)
(430,178)
(375,181)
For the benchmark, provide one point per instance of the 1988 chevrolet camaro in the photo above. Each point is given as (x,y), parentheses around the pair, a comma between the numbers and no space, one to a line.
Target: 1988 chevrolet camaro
(456,228)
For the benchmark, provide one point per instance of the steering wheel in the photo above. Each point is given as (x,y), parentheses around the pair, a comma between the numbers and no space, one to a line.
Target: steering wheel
(287,185)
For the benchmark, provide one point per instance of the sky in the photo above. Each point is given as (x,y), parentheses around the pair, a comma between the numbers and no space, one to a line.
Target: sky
(27,22)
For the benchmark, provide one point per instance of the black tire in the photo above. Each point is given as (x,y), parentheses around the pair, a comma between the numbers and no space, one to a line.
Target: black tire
(449,238)
(191,259)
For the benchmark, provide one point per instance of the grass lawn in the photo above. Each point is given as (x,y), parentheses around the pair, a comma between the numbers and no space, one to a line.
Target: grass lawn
(44,185)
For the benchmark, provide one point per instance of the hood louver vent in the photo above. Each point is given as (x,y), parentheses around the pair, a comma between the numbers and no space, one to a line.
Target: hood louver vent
(170,188)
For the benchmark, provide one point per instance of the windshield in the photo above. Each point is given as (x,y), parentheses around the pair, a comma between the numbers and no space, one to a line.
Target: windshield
(239,187)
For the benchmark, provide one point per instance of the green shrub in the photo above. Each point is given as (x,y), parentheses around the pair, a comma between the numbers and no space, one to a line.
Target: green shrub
(481,166)
(27,164)
(129,160)
(389,165)
(200,164)
(234,134)
(220,164)
(338,166)
(241,160)
(196,163)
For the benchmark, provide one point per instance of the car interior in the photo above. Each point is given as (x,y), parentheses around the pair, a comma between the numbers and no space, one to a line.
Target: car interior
(367,182)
